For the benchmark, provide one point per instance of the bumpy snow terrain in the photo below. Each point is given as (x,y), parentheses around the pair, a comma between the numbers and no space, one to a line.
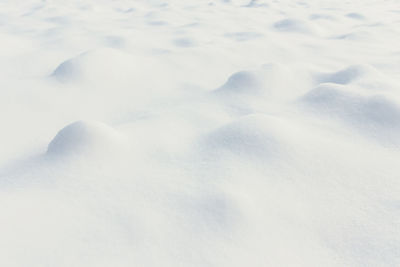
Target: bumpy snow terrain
(199,133)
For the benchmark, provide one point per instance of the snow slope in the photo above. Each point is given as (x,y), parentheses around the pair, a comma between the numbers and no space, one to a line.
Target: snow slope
(199,133)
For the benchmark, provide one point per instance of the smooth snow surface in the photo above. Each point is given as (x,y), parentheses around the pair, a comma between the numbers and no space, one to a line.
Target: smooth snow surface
(224,133)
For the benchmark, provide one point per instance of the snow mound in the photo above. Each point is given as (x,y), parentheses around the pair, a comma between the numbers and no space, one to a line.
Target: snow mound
(84,138)
(375,115)
(248,137)
(248,92)
(256,82)
(243,82)
(293,25)
(243,91)
(244,36)
(357,35)
(239,3)
(347,75)
(185,42)
(256,3)
(108,63)
(355,15)
(321,16)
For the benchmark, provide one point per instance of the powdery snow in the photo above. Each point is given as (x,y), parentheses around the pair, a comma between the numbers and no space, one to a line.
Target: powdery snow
(199,133)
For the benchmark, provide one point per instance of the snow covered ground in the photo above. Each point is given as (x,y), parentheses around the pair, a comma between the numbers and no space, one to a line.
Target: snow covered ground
(199,133)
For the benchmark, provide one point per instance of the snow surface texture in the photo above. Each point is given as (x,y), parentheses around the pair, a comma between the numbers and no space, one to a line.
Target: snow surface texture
(199,133)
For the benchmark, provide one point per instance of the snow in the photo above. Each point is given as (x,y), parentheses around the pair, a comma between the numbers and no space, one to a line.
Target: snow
(83,137)
(199,133)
